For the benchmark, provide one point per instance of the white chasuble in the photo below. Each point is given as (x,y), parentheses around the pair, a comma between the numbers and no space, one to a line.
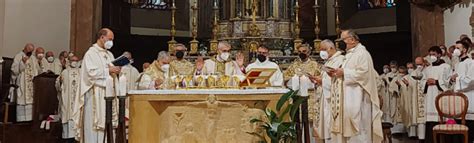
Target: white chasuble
(89,110)
(22,75)
(69,88)
(276,79)
(361,111)
(215,66)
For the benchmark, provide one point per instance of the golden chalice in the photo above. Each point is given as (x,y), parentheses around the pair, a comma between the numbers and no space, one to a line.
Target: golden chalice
(211,81)
(177,80)
(224,80)
(236,82)
(188,81)
(200,81)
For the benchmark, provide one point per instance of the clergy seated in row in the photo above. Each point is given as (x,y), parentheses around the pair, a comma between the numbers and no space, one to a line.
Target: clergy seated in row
(52,65)
(333,59)
(264,62)
(157,75)
(67,85)
(462,80)
(435,81)
(222,63)
(180,66)
(24,68)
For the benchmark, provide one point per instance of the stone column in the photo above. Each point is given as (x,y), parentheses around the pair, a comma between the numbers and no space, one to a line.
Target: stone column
(86,19)
(427,28)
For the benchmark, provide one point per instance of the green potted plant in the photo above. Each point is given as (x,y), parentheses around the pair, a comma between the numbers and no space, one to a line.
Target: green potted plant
(280,125)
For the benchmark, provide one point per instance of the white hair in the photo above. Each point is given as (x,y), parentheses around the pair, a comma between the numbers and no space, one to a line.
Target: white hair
(328,43)
(163,55)
(224,43)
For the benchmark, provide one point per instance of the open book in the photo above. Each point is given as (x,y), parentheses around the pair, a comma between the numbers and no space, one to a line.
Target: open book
(121,61)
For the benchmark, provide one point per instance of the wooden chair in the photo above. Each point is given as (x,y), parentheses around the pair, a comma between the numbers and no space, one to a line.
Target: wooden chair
(453,105)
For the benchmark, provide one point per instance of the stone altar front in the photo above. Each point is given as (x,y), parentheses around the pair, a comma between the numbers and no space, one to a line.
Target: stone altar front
(198,115)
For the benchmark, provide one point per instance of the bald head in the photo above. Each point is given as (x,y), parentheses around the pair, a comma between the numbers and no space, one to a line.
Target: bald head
(29,48)
(419,61)
(39,52)
(127,54)
(146,65)
(104,35)
(49,54)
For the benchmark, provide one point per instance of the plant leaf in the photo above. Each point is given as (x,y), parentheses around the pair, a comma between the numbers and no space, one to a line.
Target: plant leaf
(284,98)
(285,112)
(295,107)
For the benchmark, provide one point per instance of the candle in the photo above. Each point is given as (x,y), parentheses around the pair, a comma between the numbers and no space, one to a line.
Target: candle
(296,3)
(215,3)
(316,2)
(173,4)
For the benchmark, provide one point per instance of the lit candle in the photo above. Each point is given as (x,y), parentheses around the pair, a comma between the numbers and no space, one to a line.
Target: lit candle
(316,2)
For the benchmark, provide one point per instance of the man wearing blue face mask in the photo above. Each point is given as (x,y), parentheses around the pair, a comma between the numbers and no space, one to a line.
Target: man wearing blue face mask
(96,72)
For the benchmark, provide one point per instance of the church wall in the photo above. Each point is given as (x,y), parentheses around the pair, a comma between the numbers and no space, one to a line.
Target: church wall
(457,21)
(45,23)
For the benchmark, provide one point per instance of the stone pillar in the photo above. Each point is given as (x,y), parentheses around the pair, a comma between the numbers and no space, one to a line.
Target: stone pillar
(86,19)
(427,28)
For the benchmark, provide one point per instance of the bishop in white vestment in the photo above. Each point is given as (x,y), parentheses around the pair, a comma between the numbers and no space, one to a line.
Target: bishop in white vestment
(96,71)
(68,87)
(24,69)
(361,108)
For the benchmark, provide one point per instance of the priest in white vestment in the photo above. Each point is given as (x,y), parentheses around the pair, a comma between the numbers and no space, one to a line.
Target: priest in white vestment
(333,59)
(264,62)
(68,88)
(361,108)
(435,81)
(39,59)
(390,99)
(222,63)
(24,69)
(463,79)
(397,111)
(96,71)
(52,64)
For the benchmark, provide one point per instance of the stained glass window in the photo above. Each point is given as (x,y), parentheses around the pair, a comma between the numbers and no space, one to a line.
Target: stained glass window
(371,4)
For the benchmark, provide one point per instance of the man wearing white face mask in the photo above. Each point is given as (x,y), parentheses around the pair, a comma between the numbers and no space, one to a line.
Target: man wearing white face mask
(333,59)
(67,85)
(463,78)
(435,81)
(39,59)
(51,64)
(157,75)
(96,75)
(222,63)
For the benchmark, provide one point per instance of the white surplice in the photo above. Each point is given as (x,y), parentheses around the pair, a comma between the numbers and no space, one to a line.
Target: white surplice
(22,75)
(68,86)
(89,110)
(54,66)
(465,71)
(361,111)
(277,77)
